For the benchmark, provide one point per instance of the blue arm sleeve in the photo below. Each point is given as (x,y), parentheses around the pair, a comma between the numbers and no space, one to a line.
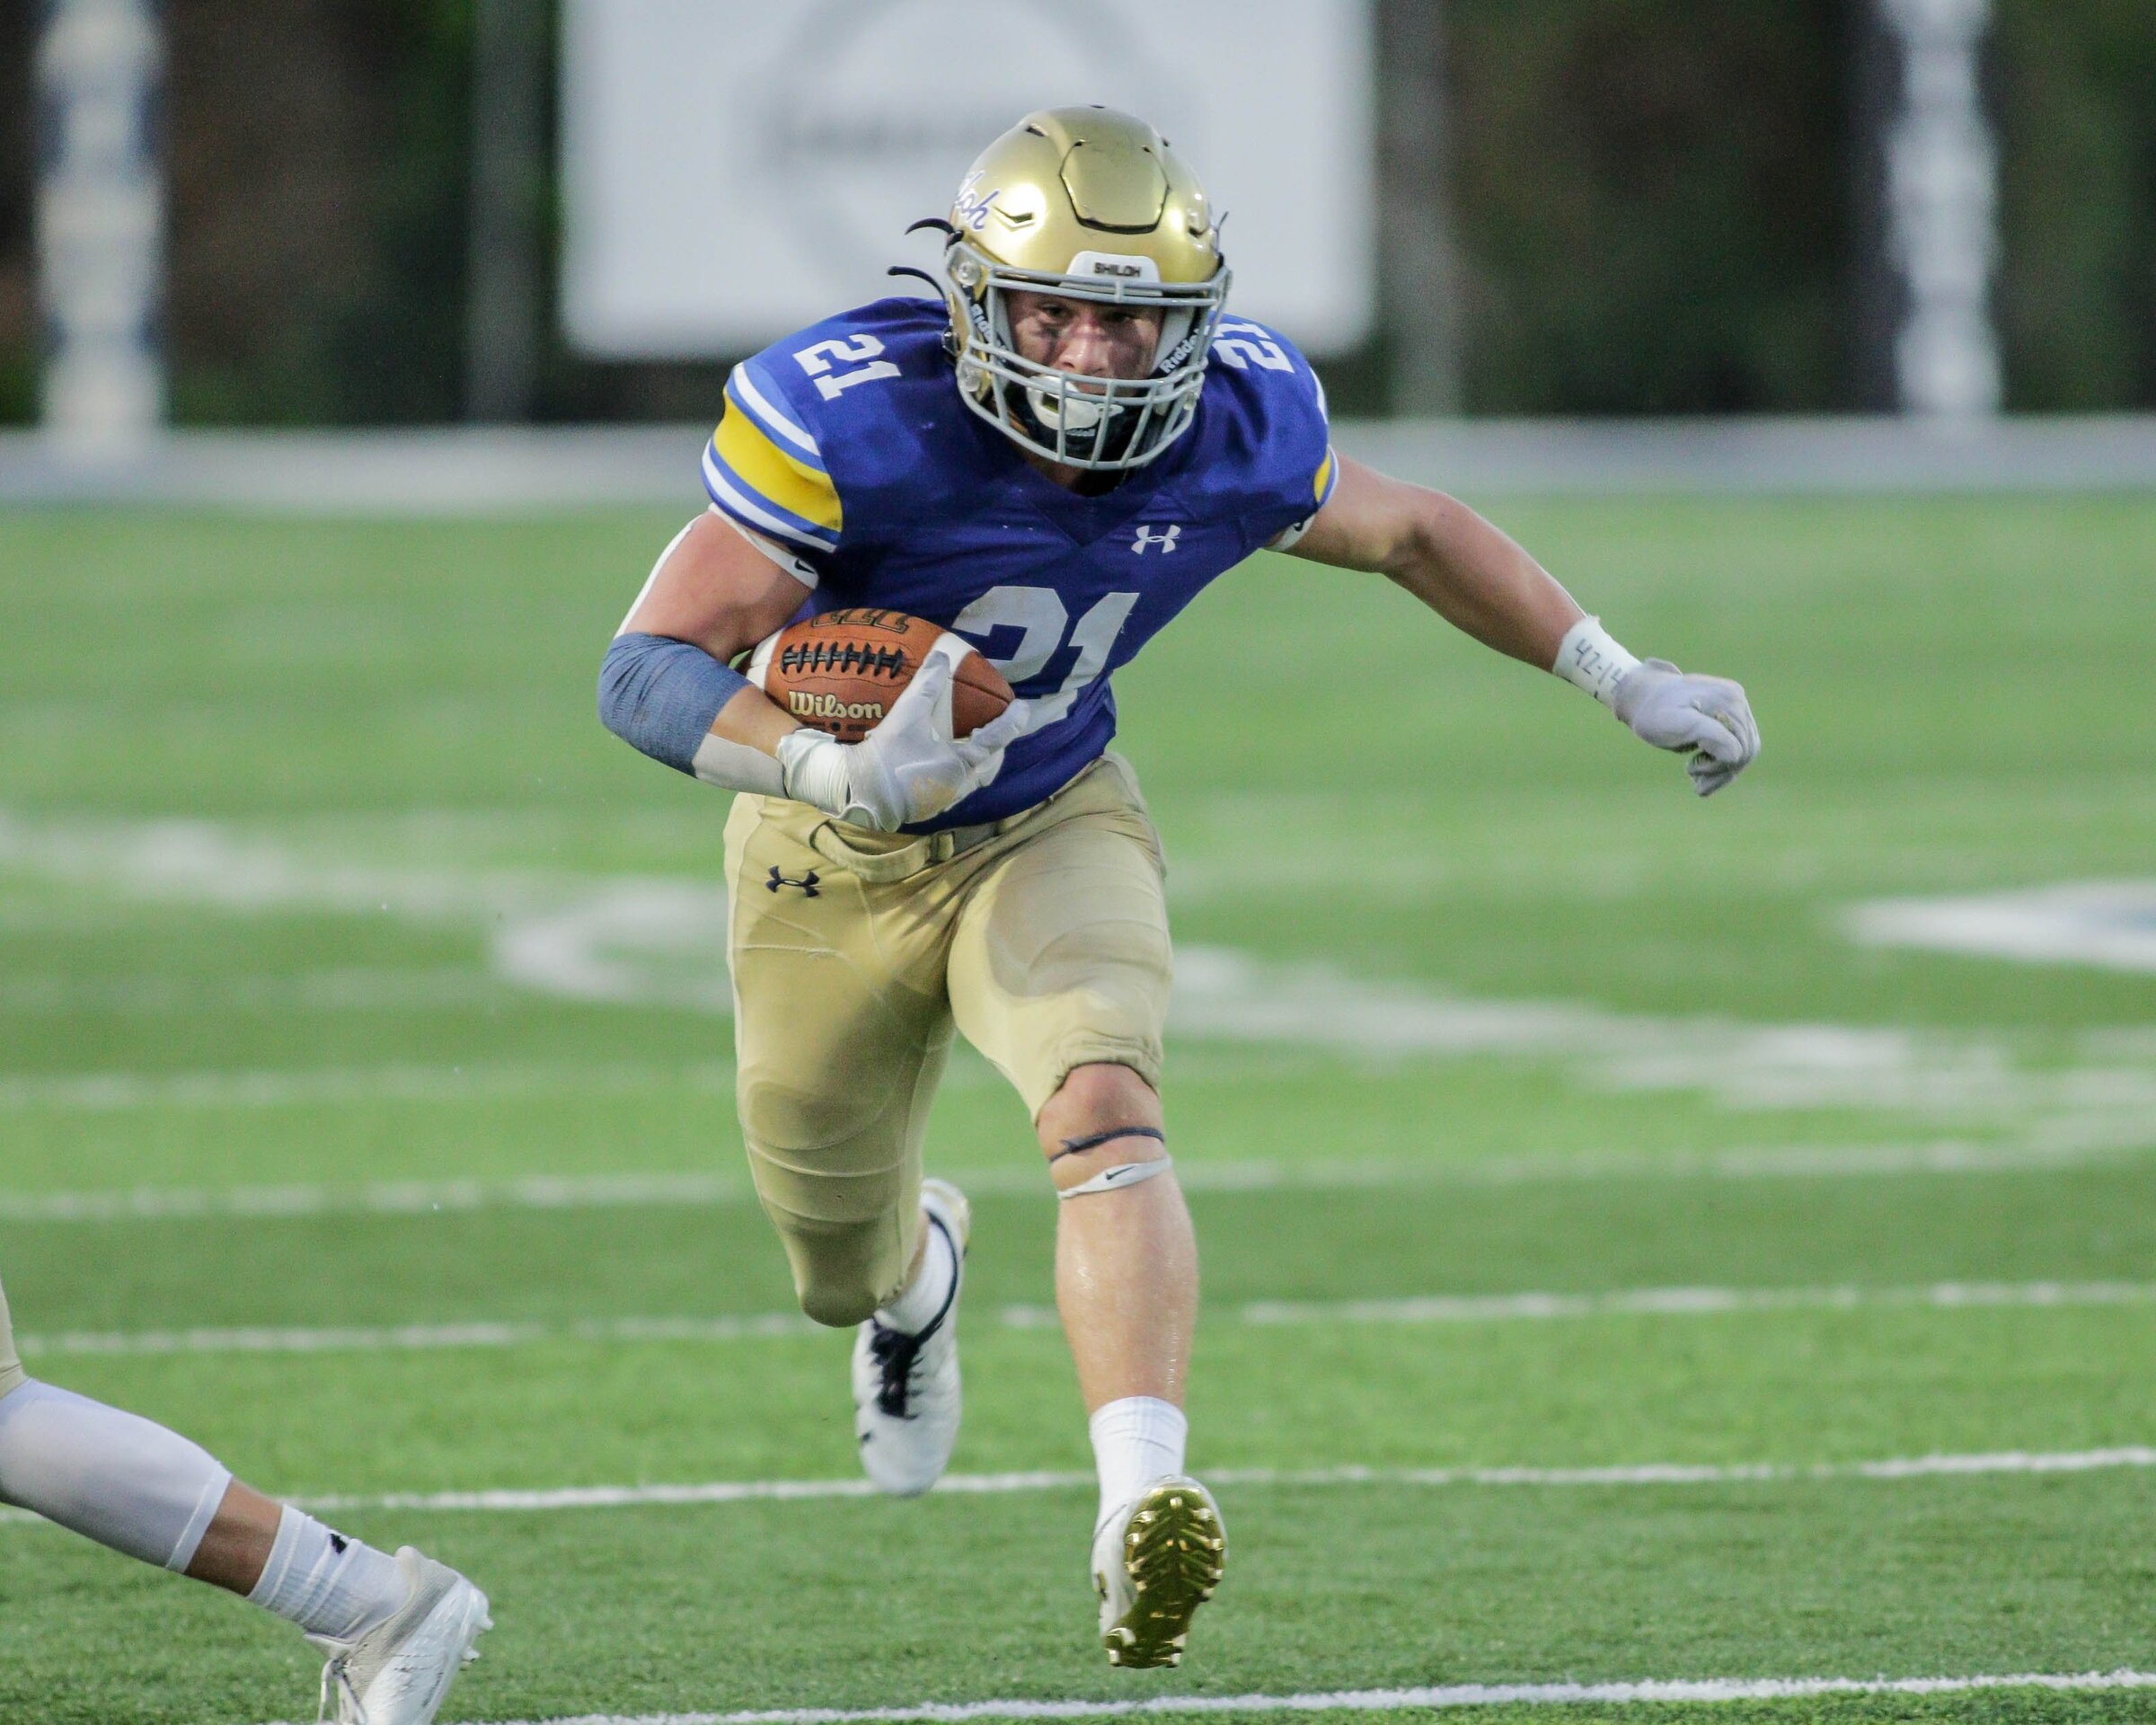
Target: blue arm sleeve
(661,696)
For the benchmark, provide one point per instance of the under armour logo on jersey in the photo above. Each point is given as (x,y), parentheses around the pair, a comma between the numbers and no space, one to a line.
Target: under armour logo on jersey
(1147,536)
(807,883)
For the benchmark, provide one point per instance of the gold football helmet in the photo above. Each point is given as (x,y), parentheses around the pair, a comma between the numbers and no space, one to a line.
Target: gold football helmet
(1089,204)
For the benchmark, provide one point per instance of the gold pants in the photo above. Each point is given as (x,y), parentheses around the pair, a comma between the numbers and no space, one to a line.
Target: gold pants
(1044,939)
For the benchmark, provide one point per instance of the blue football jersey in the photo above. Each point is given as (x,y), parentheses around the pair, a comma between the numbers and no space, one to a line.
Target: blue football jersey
(845,451)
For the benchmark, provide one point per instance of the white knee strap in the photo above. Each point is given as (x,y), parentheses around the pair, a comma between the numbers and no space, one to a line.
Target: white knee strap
(1124,1173)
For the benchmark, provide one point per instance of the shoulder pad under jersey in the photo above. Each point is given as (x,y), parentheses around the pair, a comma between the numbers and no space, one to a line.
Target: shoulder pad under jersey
(1277,427)
(819,418)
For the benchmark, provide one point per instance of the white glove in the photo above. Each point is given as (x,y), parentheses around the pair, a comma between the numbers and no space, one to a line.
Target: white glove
(909,769)
(1706,716)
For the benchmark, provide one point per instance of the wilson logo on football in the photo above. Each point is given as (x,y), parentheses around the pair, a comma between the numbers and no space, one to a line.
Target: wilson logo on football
(805,705)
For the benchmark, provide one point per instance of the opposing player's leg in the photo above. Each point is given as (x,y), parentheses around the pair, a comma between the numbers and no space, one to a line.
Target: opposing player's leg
(841,1029)
(1059,973)
(396,1630)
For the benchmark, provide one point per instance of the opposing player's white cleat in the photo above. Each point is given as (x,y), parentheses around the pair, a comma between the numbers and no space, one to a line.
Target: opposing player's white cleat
(906,1398)
(1154,1563)
(399,1671)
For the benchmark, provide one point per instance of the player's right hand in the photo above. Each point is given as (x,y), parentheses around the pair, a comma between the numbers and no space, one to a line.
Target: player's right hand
(1707,717)
(909,769)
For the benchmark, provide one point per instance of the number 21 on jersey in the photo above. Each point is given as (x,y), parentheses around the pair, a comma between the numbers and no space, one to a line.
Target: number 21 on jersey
(1040,617)
(817,359)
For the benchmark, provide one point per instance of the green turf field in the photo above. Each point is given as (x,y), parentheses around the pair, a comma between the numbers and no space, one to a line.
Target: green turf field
(364,1113)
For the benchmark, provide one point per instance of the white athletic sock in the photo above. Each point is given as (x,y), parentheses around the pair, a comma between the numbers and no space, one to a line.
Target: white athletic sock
(109,1475)
(915,1309)
(327,1584)
(1135,1441)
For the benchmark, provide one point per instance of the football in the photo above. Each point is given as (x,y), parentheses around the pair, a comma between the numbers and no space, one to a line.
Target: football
(841,670)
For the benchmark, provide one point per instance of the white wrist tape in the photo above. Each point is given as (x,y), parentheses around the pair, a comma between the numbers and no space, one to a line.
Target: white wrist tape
(737,766)
(1124,1173)
(813,769)
(1588,659)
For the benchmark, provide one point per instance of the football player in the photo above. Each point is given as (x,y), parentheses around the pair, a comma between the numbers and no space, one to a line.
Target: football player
(396,1630)
(1050,459)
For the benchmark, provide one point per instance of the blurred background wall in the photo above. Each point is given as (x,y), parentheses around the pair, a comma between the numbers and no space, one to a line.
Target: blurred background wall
(1649,207)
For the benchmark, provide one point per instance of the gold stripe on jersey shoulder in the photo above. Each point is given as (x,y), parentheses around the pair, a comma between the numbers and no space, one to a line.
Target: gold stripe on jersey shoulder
(762,465)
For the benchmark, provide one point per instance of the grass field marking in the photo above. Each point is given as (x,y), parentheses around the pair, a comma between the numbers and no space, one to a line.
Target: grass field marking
(514,1500)
(2109,924)
(1443,1309)
(392,1198)
(106,1091)
(1668,1691)
(347,988)
(1653,1473)
(630,1497)
(660,941)
(1693,1302)
(1943,1156)
(619,938)
(410,1337)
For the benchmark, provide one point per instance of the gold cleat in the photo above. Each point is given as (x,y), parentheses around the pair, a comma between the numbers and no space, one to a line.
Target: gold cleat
(1153,1567)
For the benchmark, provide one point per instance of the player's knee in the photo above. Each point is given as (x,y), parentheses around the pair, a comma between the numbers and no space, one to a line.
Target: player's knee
(800,1120)
(1094,1099)
(843,1272)
(840,1305)
(840,1280)
(1101,1131)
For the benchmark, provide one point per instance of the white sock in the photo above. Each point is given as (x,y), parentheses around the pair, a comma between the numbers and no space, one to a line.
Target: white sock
(1135,1441)
(327,1584)
(926,1294)
(109,1475)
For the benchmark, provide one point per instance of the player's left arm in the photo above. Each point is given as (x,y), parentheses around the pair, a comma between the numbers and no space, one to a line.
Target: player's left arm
(1481,582)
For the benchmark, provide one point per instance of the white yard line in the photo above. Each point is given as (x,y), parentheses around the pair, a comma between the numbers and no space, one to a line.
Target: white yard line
(510,1500)
(1694,1302)
(1021,1177)
(1667,1690)
(1654,1474)
(393,1198)
(108,1091)
(257,1338)
(1439,1309)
